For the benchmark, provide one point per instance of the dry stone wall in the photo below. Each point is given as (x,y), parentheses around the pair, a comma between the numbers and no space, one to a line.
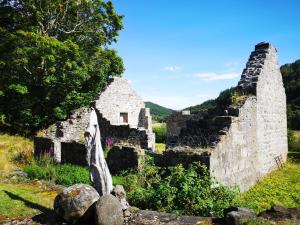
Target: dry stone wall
(244,140)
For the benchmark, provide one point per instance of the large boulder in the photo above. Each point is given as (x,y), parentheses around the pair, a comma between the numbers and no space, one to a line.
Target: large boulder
(238,215)
(76,202)
(108,211)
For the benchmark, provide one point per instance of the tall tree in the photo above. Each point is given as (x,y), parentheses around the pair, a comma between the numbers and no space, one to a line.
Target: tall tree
(54,58)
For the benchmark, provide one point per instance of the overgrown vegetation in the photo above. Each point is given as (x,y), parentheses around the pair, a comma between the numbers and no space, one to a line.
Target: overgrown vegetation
(54,58)
(160,130)
(64,174)
(176,189)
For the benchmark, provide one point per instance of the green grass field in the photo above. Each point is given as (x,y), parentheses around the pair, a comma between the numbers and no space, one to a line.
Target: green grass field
(21,200)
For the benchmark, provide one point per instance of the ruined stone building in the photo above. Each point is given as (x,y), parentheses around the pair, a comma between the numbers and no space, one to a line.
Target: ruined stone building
(122,117)
(242,139)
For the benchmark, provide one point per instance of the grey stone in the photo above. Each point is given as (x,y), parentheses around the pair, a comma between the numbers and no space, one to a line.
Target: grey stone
(120,194)
(238,216)
(122,118)
(108,211)
(281,213)
(75,202)
(147,217)
(256,128)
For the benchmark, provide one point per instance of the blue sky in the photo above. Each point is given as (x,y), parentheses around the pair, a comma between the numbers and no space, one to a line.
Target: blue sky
(181,53)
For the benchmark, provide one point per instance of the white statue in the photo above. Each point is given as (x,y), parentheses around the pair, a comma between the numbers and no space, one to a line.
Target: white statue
(100,174)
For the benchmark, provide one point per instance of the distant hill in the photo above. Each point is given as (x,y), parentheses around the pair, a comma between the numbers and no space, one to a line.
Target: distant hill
(205,105)
(291,79)
(158,112)
(223,98)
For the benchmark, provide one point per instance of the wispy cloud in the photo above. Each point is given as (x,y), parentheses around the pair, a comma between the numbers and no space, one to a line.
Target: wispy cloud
(216,76)
(172,68)
(232,64)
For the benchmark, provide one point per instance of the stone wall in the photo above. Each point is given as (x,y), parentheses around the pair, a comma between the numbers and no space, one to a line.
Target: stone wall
(243,138)
(234,159)
(66,138)
(119,97)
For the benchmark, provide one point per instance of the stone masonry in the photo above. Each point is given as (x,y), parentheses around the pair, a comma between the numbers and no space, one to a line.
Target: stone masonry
(241,141)
(122,117)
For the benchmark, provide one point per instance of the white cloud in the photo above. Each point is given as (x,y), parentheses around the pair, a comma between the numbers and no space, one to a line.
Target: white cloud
(172,68)
(216,76)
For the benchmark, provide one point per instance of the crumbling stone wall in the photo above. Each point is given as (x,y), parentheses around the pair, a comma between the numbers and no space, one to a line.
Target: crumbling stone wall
(65,139)
(242,139)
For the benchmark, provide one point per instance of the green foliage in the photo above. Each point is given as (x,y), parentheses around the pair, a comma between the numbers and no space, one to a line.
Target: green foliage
(160,130)
(291,80)
(294,140)
(54,59)
(160,148)
(158,113)
(176,189)
(224,99)
(64,174)
(209,104)
(279,187)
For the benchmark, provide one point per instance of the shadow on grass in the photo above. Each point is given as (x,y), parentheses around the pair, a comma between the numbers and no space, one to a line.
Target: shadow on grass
(294,155)
(47,216)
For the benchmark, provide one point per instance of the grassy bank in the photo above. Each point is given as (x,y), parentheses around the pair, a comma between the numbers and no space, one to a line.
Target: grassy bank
(279,187)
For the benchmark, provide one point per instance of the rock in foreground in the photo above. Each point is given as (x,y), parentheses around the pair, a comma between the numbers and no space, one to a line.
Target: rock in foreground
(75,202)
(108,211)
(238,215)
(146,217)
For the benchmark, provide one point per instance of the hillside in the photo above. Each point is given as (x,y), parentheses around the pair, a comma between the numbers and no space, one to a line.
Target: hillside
(291,78)
(158,112)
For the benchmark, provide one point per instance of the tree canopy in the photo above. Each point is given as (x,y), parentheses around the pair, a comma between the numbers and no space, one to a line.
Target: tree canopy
(54,58)
(291,78)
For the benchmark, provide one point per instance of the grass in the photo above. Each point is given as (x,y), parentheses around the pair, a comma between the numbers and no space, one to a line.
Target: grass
(279,187)
(21,200)
(13,148)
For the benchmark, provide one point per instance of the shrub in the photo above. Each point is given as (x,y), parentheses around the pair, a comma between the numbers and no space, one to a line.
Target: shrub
(160,131)
(184,191)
